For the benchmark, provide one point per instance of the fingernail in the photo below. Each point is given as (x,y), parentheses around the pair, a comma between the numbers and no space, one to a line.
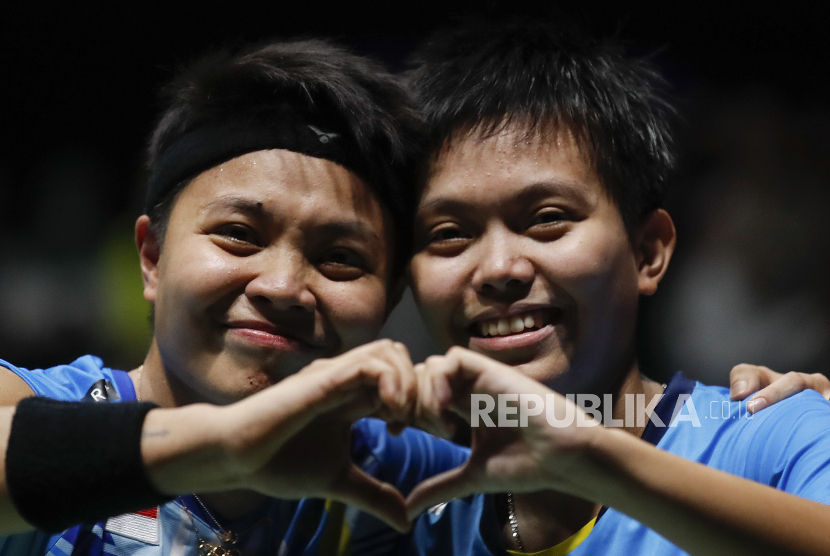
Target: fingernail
(738,388)
(756,404)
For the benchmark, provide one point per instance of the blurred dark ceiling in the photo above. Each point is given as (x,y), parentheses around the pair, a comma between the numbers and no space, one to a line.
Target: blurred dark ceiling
(78,89)
(86,73)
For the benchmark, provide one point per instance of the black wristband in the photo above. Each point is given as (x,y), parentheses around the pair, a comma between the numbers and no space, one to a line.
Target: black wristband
(77,462)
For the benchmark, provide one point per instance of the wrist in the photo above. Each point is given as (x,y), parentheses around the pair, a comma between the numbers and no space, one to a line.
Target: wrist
(608,458)
(71,462)
(185,449)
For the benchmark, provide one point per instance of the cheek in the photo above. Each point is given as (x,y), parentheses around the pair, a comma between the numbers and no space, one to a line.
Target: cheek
(437,286)
(600,276)
(356,310)
(598,265)
(198,279)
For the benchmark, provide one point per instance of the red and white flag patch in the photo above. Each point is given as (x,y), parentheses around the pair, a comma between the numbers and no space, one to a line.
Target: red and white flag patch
(142,526)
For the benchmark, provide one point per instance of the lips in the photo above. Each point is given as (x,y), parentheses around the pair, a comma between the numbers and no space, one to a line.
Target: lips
(268,334)
(513,330)
(515,323)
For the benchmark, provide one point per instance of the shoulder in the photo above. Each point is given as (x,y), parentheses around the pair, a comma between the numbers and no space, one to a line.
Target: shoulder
(717,416)
(786,445)
(64,382)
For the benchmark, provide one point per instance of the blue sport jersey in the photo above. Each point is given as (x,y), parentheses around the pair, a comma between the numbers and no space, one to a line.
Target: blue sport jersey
(307,527)
(786,446)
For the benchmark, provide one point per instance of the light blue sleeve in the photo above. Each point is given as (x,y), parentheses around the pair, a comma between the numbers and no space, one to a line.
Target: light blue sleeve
(404,460)
(64,382)
(790,447)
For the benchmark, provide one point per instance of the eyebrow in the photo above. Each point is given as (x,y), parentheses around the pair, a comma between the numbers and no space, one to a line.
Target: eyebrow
(330,230)
(238,202)
(527,193)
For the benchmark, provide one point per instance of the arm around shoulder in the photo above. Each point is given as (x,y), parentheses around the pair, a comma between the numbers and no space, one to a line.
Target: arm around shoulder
(703,510)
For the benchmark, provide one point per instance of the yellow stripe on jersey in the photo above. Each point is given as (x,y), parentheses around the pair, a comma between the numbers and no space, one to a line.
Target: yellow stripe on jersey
(563,548)
(336,539)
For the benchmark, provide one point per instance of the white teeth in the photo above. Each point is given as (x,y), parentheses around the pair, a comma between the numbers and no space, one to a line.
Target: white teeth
(517,324)
(511,325)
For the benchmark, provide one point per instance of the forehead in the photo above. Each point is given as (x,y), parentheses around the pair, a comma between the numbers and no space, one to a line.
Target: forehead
(282,183)
(507,162)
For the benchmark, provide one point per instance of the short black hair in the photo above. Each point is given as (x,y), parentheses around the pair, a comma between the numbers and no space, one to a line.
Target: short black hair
(230,103)
(481,77)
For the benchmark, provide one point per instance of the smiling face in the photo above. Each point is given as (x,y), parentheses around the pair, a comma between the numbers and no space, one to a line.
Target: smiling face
(270,260)
(523,256)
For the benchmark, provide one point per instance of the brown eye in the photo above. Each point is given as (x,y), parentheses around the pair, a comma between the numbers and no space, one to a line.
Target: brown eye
(237,238)
(547,217)
(446,240)
(447,233)
(343,264)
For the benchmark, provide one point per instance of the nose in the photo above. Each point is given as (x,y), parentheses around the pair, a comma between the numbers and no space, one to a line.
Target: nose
(281,280)
(502,268)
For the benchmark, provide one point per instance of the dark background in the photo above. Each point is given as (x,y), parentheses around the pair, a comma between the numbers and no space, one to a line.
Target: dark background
(751,199)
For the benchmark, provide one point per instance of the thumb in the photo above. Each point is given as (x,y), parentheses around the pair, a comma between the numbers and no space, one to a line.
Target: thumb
(357,488)
(449,485)
(745,379)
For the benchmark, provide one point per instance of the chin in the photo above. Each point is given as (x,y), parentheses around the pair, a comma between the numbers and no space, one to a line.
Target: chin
(550,372)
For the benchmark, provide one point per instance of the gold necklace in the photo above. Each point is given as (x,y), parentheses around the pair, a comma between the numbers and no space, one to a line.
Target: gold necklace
(511,512)
(206,548)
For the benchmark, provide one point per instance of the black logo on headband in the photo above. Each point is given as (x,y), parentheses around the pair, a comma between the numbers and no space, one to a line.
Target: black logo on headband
(322,135)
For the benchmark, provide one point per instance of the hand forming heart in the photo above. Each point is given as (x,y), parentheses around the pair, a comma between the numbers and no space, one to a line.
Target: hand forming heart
(530,457)
(293,440)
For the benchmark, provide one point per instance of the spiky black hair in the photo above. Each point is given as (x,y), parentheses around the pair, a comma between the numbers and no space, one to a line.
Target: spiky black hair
(306,81)
(481,77)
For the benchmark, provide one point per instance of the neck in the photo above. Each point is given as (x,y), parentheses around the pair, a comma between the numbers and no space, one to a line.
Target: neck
(153,384)
(624,406)
(547,518)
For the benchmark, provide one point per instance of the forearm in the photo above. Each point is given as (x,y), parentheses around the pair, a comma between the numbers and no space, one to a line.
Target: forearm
(180,451)
(703,510)
(185,450)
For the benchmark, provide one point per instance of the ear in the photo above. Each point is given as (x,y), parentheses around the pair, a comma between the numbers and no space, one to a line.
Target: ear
(149,251)
(654,244)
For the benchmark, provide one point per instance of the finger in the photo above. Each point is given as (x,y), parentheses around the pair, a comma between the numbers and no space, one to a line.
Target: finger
(357,488)
(745,379)
(431,398)
(408,394)
(824,388)
(478,373)
(788,385)
(819,383)
(447,486)
(442,401)
(365,387)
(422,415)
(397,386)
